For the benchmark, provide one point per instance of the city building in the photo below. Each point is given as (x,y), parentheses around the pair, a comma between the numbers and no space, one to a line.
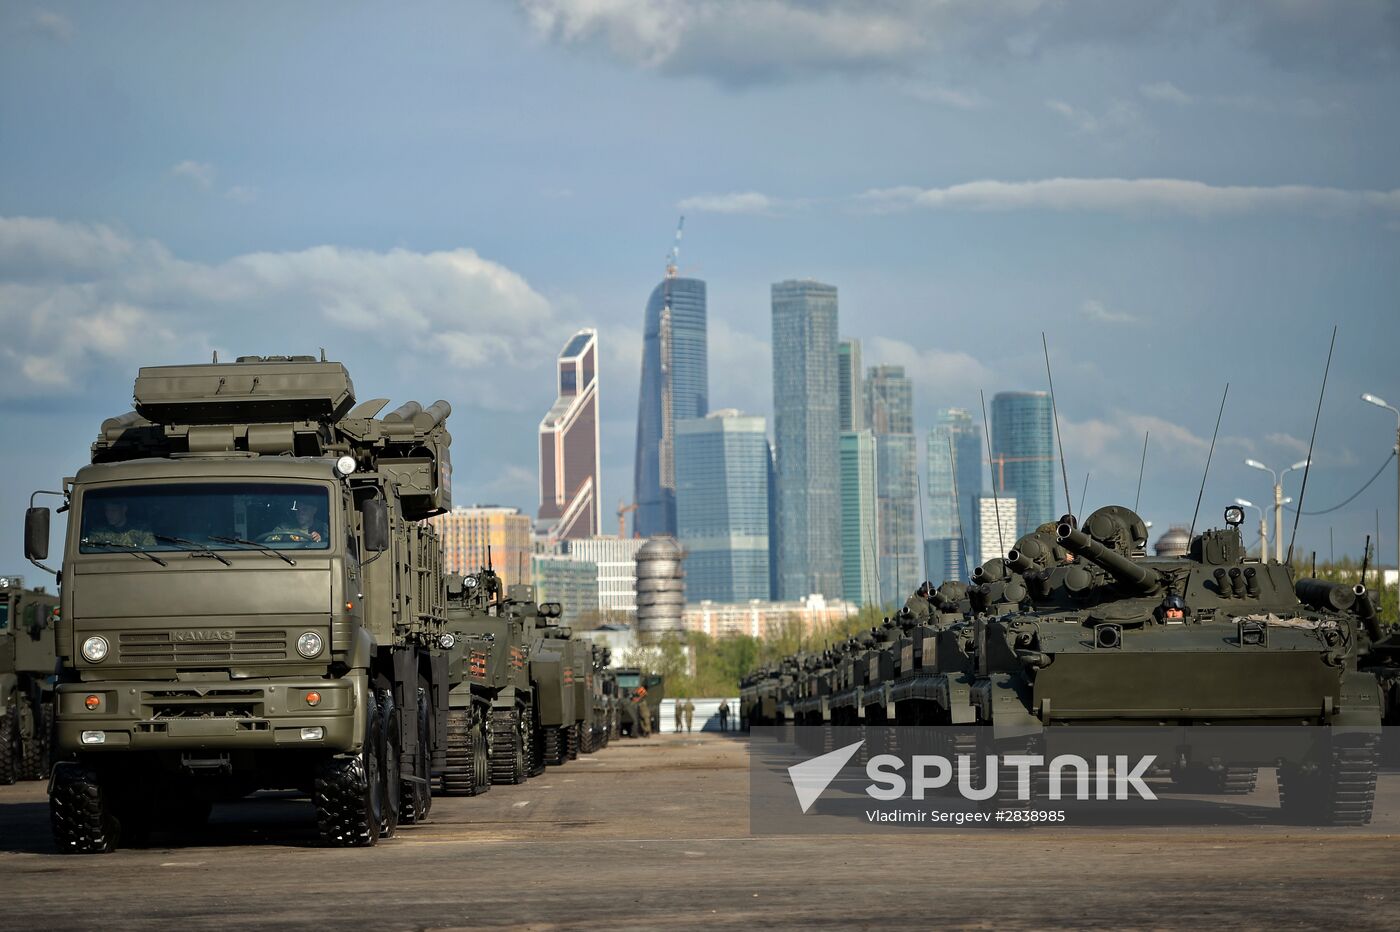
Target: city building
(660,588)
(616,562)
(859,518)
(1023,455)
(572,583)
(889,410)
(762,619)
(483,535)
(675,386)
(722,506)
(851,394)
(955,457)
(569,463)
(996,526)
(805,422)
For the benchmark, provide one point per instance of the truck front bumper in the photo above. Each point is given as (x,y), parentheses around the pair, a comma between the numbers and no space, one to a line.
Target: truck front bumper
(237,714)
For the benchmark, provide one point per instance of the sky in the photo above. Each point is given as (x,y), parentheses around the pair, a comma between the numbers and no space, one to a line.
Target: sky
(1179,195)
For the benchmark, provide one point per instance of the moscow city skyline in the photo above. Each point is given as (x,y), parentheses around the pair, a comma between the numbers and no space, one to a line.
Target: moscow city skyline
(1200,205)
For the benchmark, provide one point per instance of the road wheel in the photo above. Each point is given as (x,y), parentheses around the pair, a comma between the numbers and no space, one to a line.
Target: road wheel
(457,777)
(349,794)
(80,812)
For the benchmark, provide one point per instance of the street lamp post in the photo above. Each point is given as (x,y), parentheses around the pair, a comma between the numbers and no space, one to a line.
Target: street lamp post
(1380,403)
(1263,529)
(1278,501)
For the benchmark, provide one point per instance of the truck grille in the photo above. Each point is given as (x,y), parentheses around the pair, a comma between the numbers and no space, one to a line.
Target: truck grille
(148,648)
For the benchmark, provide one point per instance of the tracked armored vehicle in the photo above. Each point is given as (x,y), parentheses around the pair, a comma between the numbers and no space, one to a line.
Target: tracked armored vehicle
(27,662)
(251,600)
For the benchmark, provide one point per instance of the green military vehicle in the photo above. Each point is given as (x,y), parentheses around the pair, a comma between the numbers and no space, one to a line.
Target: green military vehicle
(553,674)
(251,599)
(592,702)
(635,688)
(490,730)
(27,662)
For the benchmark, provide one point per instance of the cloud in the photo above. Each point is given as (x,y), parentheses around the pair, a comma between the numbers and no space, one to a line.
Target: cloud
(944,96)
(938,374)
(739,202)
(201,173)
(1119,115)
(80,303)
(54,25)
(1134,195)
(1098,312)
(243,194)
(1164,91)
(738,42)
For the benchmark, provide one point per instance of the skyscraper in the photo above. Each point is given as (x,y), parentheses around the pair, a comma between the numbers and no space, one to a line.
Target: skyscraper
(569,465)
(1023,456)
(675,386)
(722,506)
(806,415)
(955,455)
(996,526)
(851,397)
(889,410)
(859,522)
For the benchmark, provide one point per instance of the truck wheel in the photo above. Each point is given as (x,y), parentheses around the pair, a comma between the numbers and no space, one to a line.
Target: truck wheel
(585,739)
(391,731)
(481,756)
(418,797)
(9,746)
(80,812)
(38,758)
(349,794)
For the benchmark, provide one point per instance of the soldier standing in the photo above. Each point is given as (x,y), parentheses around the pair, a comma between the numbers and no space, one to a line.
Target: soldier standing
(689,715)
(679,716)
(724,715)
(643,709)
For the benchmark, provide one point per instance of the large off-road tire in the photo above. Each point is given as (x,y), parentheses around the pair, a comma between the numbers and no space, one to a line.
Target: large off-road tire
(418,797)
(507,748)
(9,746)
(36,758)
(391,731)
(349,794)
(585,739)
(80,812)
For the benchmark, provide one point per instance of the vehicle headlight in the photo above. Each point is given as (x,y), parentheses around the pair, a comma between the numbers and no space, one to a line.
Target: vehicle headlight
(345,466)
(447,641)
(309,645)
(95,649)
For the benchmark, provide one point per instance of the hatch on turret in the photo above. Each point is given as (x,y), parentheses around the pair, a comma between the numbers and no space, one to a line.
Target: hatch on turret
(256,389)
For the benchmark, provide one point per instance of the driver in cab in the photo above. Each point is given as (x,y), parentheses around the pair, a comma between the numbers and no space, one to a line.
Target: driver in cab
(302,525)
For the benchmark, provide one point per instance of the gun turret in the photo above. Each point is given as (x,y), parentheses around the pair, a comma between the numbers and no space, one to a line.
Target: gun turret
(1133,575)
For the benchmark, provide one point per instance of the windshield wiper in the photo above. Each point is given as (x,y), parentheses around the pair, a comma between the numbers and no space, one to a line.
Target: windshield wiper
(256,546)
(197,547)
(89,542)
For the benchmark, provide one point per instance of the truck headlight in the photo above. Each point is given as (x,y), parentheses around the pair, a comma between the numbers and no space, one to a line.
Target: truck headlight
(447,641)
(309,645)
(95,649)
(345,466)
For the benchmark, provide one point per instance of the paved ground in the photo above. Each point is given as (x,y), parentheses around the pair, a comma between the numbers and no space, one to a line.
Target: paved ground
(654,835)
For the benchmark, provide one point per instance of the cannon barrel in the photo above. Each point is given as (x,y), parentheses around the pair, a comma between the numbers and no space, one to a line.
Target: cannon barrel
(1142,578)
(1366,610)
(1018,561)
(1319,593)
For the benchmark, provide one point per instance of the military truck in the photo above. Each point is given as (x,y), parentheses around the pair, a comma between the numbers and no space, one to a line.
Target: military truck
(553,676)
(250,599)
(635,687)
(598,700)
(27,662)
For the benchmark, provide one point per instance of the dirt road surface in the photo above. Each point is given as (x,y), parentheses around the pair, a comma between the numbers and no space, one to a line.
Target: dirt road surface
(655,835)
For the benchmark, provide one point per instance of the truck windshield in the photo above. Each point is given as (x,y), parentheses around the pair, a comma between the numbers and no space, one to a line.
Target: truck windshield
(193,516)
(629,680)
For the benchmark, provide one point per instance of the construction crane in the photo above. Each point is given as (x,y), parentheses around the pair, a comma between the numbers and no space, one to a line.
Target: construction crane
(673,257)
(622,509)
(1000,460)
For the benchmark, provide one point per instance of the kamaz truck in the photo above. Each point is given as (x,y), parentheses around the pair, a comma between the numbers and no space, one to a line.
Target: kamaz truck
(27,662)
(250,600)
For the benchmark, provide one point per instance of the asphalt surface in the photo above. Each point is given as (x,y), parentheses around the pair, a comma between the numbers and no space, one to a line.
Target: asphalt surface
(655,834)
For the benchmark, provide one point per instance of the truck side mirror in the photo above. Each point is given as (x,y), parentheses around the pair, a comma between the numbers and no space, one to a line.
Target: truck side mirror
(376,525)
(36,534)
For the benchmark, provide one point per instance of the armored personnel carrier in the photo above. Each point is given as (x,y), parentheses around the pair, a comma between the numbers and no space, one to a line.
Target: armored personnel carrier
(552,675)
(250,599)
(27,662)
(1107,635)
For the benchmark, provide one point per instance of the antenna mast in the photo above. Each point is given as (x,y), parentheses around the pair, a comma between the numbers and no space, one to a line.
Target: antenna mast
(1298,514)
(1201,494)
(1055,412)
(996,496)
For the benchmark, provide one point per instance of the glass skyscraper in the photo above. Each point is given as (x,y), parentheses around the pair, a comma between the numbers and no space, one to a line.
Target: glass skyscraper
(569,464)
(675,386)
(851,396)
(722,506)
(1023,456)
(859,525)
(955,455)
(889,410)
(806,427)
